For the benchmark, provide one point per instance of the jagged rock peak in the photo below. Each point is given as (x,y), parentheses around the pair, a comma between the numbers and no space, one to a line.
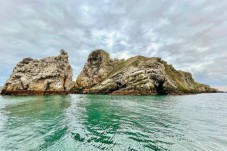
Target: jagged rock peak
(136,75)
(50,75)
(98,56)
(63,52)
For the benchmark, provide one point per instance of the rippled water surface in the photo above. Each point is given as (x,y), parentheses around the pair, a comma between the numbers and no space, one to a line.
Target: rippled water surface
(103,122)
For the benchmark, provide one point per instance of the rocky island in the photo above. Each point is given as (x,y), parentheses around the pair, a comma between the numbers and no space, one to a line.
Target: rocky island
(51,75)
(137,76)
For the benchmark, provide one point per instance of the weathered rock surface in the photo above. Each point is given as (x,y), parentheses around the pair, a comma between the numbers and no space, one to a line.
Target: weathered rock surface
(51,75)
(1,89)
(137,75)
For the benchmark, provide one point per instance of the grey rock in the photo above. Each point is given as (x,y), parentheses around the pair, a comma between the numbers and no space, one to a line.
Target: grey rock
(136,75)
(47,74)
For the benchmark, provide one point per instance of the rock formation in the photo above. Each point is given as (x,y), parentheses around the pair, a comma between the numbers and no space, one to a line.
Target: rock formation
(137,75)
(51,75)
(1,89)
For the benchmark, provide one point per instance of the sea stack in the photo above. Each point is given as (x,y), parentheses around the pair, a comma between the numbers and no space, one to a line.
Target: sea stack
(51,75)
(137,76)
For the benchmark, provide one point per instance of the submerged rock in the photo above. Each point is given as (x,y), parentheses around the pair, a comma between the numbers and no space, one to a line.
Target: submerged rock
(51,75)
(137,75)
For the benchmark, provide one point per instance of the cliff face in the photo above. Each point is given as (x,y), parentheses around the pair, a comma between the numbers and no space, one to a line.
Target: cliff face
(51,75)
(136,75)
(1,89)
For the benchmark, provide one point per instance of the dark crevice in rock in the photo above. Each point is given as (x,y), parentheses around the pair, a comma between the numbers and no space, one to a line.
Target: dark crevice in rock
(22,85)
(64,86)
(160,89)
(137,75)
(47,86)
(120,85)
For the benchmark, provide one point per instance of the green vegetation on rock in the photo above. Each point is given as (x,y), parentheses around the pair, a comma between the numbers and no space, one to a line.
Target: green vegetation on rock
(136,75)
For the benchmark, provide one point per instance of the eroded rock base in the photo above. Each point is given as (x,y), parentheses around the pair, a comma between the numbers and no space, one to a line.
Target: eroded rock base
(137,75)
(22,92)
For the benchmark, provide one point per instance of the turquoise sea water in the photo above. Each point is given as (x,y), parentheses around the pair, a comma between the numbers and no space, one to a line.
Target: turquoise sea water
(104,122)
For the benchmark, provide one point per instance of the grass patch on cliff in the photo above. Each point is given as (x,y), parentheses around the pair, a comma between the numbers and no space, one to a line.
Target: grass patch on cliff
(177,77)
(120,66)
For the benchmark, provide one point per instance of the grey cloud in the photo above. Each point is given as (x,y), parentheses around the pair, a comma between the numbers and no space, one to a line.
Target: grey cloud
(190,34)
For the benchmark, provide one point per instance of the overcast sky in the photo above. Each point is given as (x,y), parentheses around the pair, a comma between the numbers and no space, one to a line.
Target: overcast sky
(190,34)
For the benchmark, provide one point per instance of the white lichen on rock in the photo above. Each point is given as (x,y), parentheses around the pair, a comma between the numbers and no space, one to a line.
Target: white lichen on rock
(47,74)
(136,75)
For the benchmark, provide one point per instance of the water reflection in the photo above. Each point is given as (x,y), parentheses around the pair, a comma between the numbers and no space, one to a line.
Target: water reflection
(104,122)
(38,107)
(36,119)
(101,121)
(109,119)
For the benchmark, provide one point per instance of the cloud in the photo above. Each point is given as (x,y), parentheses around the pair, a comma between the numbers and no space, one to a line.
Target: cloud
(190,34)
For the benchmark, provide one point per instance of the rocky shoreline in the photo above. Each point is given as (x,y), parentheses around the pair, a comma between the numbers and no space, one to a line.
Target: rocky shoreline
(137,75)
(25,92)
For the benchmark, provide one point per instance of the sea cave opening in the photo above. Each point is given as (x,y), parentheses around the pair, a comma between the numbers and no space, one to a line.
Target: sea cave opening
(160,89)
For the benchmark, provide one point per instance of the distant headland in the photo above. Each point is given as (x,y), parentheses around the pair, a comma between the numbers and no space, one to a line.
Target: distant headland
(137,75)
